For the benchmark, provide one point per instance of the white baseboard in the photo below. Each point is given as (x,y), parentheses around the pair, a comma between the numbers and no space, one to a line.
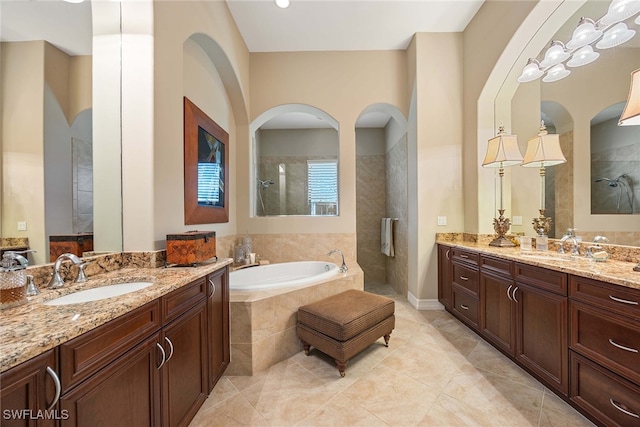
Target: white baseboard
(424,304)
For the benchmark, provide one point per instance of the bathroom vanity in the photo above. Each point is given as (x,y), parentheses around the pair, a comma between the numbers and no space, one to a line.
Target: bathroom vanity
(150,357)
(572,323)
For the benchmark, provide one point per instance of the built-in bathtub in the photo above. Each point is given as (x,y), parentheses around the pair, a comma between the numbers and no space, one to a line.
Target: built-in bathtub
(263,314)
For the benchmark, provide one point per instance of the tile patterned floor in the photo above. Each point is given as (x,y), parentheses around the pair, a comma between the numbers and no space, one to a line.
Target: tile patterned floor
(435,372)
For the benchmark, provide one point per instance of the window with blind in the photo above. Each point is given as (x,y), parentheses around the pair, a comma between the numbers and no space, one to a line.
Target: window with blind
(208,184)
(322,178)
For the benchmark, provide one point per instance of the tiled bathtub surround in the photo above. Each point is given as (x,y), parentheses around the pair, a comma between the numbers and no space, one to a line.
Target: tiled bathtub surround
(263,323)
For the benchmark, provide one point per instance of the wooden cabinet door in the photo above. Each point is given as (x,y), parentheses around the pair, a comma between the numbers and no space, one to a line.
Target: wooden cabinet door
(498,312)
(124,393)
(184,374)
(29,388)
(218,325)
(444,276)
(542,344)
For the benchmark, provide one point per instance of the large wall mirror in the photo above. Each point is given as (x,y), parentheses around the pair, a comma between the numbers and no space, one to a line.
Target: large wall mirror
(296,164)
(47,122)
(595,189)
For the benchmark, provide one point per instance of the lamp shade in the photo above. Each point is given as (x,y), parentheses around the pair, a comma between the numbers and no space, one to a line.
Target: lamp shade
(554,55)
(615,36)
(543,150)
(502,151)
(619,10)
(584,34)
(531,71)
(631,113)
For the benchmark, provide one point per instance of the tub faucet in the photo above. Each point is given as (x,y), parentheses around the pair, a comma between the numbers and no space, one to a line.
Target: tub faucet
(343,267)
(576,247)
(57,281)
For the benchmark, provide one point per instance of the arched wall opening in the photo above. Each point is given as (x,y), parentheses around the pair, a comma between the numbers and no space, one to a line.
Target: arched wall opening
(382,192)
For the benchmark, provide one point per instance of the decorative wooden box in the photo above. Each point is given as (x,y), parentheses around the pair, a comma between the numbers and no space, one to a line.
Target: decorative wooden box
(191,247)
(75,244)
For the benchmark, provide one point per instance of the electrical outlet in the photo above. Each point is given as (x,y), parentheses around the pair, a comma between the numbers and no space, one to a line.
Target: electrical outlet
(22,225)
(517,220)
(442,220)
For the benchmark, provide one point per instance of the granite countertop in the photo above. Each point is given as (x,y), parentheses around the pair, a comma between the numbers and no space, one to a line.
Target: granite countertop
(612,271)
(33,328)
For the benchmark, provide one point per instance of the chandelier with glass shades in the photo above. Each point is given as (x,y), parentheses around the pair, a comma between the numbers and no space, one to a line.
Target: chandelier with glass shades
(607,32)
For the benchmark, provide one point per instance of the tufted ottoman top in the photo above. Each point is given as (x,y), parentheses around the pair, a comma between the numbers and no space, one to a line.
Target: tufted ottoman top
(345,315)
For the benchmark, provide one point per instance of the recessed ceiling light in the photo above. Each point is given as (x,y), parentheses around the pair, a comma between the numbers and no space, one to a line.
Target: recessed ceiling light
(283,4)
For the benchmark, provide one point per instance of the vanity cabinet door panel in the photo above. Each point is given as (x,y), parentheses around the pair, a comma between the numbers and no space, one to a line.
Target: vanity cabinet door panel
(444,276)
(125,393)
(218,326)
(607,397)
(498,312)
(29,387)
(184,374)
(542,344)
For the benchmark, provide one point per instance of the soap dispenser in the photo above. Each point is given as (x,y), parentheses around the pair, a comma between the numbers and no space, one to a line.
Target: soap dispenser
(13,279)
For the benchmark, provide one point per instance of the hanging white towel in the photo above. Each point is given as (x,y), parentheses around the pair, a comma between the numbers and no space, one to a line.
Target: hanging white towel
(386,237)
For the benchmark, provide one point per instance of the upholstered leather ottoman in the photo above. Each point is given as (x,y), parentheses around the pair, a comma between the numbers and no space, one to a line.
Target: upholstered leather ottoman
(344,324)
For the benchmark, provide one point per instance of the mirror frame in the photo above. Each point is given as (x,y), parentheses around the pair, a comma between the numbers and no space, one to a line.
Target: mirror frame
(194,118)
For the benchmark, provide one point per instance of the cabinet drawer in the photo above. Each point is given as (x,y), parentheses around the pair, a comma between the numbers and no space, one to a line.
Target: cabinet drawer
(182,299)
(549,280)
(90,352)
(609,398)
(612,297)
(465,306)
(462,255)
(466,277)
(496,265)
(611,340)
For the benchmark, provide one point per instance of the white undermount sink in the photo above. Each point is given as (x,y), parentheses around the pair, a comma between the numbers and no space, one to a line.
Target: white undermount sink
(96,294)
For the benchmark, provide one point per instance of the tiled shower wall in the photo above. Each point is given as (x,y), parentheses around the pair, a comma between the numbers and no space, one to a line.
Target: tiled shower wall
(370,209)
(397,206)
(82,164)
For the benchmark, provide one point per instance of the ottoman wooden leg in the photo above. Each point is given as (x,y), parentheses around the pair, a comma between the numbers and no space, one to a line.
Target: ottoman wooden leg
(306,347)
(341,367)
(386,339)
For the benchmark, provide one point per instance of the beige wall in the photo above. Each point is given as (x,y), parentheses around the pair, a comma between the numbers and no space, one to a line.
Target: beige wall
(212,70)
(22,75)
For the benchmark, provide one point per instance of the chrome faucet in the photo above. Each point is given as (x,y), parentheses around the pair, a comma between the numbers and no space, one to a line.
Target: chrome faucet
(57,281)
(576,247)
(343,267)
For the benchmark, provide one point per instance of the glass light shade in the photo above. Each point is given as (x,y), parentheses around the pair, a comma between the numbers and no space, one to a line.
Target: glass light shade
(584,34)
(531,71)
(619,10)
(615,36)
(554,55)
(555,73)
(543,150)
(502,151)
(283,4)
(583,56)
(637,21)
(631,113)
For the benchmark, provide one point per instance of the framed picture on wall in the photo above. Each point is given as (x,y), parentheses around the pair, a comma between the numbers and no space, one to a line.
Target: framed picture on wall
(206,168)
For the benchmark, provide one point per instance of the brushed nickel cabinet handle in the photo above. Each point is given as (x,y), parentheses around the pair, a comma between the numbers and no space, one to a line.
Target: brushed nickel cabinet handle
(508,292)
(622,347)
(622,409)
(447,254)
(624,301)
(514,294)
(170,347)
(464,278)
(213,287)
(464,256)
(464,307)
(56,382)
(164,355)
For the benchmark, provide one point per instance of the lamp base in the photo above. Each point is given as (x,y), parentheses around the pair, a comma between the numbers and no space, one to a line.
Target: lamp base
(501,225)
(502,242)
(542,224)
